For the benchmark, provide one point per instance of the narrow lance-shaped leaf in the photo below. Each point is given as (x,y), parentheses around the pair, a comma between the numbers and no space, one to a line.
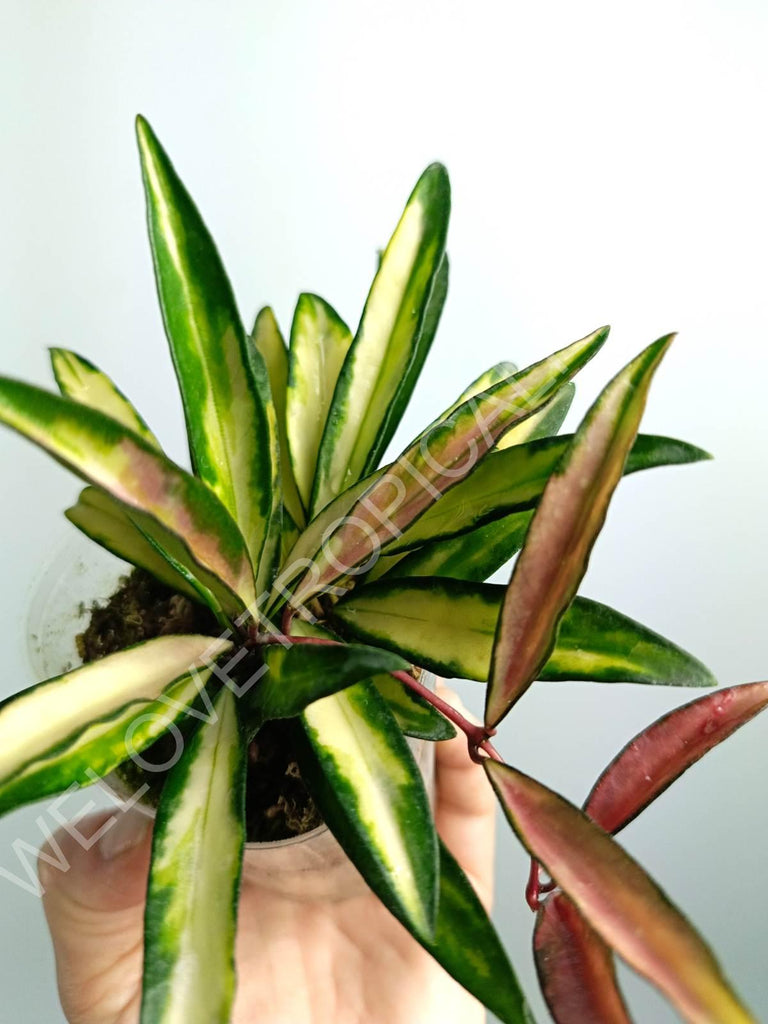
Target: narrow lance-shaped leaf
(104,453)
(435,463)
(387,339)
(618,899)
(368,788)
(320,341)
(570,515)
(141,540)
(514,479)
(194,878)
(661,753)
(448,626)
(423,344)
(222,378)
(79,379)
(575,967)
(78,727)
(301,674)
(269,343)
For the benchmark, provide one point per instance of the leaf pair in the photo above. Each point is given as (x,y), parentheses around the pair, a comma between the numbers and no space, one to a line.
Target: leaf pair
(615,896)
(607,901)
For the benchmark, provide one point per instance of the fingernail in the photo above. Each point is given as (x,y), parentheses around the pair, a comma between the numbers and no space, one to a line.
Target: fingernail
(127,832)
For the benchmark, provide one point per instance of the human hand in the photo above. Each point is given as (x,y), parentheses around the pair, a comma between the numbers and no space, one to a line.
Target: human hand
(349,962)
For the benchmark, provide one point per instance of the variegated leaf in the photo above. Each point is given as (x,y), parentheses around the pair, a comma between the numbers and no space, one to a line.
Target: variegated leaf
(514,479)
(194,878)
(222,377)
(570,514)
(413,713)
(618,899)
(661,753)
(301,674)
(576,968)
(369,790)
(467,946)
(423,344)
(320,341)
(78,727)
(387,339)
(435,463)
(448,626)
(79,379)
(494,374)
(269,343)
(141,540)
(104,453)
(473,556)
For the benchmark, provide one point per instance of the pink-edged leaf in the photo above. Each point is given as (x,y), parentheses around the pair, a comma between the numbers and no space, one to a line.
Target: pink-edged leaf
(576,968)
(618,899)
(571,513)
(438,460)
(661,753)
(104,453)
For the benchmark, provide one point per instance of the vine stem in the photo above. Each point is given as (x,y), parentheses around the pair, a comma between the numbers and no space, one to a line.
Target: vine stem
(478,737)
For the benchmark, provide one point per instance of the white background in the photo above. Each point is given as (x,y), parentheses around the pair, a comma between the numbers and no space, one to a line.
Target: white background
(608,164)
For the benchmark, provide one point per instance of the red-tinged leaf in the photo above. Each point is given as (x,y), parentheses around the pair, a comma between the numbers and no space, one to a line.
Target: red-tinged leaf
(618,899)
(556,551)
(435,462)
(661,753)
(575,967)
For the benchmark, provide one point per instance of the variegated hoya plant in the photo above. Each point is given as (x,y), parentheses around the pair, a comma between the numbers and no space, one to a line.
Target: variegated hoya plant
(335,581)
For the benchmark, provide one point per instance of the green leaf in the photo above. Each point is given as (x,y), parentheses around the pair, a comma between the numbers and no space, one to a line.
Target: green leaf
(320,341)
(545,423)
(387,340)
(301,674)
(618,899)
(575,967)
(448,626)
(78,727)
(432,465)
(474,555)
(222,378)
(467,946)
(269,343)
(194,878)
(368,788)
(670,746)
(569,517)
(514,479)
(413,713)
(81,380)
(104,453)
(139,539)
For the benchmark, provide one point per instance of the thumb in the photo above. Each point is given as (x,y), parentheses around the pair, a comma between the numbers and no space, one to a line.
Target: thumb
(94,876)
